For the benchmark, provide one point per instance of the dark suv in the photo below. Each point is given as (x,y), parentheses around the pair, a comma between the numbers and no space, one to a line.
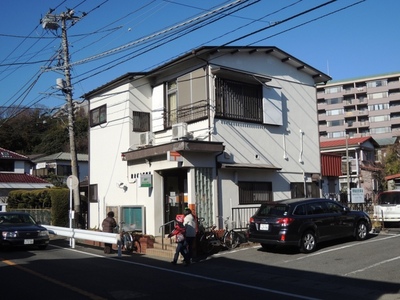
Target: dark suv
(304,222)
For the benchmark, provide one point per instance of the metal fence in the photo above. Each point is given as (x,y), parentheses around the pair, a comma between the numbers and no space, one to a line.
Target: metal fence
(241,216)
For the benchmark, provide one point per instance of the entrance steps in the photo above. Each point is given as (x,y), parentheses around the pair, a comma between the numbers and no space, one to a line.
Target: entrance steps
(167,252)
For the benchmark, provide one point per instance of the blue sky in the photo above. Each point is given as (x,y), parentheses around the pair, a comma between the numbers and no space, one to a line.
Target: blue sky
(345,38)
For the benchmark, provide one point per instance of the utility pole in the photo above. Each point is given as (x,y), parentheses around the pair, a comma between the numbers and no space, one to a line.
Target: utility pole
(51,22)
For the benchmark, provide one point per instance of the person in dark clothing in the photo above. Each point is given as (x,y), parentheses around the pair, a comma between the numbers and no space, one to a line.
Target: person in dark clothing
(109,224)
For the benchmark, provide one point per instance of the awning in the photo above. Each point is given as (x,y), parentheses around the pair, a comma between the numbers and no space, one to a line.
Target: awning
(250,166)
(178,146)
(239,75)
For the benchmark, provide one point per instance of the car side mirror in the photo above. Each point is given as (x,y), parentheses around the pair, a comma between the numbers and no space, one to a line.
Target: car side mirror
(346,209)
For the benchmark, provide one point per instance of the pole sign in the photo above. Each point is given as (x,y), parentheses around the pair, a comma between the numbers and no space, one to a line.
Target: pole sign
(357,195)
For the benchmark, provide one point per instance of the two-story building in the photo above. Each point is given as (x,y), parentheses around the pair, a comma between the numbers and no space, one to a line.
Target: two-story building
(15,175)
(349,163)
(218,129)
(59,164)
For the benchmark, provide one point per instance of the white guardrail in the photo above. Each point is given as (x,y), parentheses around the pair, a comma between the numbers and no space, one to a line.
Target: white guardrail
(82,234)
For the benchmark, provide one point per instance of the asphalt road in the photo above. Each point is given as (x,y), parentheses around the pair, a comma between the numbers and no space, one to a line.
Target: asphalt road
(342,270)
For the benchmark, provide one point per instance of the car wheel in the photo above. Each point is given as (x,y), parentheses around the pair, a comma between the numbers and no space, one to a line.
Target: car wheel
(308,243)
(361,231)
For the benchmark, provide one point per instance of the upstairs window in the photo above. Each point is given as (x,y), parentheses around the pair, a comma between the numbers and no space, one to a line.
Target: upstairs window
(140,121)
(238,100)
(98,115)
(186,98)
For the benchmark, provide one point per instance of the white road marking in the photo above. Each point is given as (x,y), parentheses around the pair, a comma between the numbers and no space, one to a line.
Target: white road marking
(194,275)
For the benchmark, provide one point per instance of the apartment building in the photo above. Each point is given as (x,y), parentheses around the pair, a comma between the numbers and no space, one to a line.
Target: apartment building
(360,107)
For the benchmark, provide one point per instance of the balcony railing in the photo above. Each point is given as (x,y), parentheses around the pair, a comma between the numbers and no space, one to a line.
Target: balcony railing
(187,113)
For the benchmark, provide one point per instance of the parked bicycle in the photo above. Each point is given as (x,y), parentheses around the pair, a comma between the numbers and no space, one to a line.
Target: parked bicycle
(130,239)
(212,239)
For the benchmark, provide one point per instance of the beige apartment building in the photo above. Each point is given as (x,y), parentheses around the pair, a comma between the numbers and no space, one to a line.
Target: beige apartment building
(360,107)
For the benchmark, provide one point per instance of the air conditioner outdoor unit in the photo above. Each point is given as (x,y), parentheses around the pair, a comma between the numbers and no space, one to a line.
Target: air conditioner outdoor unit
(145,139)
(179,131)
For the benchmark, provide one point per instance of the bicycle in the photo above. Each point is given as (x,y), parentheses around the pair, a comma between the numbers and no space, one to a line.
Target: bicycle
(230,239)
(211,239)
(208,239)
(130,240)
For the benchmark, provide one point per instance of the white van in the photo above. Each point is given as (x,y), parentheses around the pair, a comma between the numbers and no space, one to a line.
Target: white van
(388,206)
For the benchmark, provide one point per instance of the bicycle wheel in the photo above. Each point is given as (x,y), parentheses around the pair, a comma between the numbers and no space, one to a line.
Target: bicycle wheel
(128,242)
(205,243)
(231,239)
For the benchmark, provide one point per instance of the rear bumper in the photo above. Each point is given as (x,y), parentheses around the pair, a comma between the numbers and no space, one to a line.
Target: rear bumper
(22,242)
(274,242)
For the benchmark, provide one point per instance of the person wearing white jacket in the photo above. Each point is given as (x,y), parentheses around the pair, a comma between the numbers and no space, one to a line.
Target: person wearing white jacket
(190,226)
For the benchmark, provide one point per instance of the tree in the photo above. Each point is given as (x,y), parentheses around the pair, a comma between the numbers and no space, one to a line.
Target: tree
(33,131)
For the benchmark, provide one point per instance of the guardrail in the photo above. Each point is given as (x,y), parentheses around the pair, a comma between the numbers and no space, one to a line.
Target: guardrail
(82,234)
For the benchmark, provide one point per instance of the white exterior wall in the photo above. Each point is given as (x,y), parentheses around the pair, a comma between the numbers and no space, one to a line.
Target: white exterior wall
(294,147)
(107,142)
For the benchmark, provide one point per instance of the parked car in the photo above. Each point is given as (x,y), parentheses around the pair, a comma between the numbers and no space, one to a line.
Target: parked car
(306,222)
(20,229)
(387,209)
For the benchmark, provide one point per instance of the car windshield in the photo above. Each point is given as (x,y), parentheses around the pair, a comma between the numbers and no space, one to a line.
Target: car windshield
(269,210)
(389,198)
(16,219)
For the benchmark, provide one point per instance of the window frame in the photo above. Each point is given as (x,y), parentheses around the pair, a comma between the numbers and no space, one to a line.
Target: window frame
(250,189)
(140,121)
(98,115)
(248,99)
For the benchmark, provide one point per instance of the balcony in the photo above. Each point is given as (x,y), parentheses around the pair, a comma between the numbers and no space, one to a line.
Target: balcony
(363,124)
(363,112)
(187,113)
(361,89)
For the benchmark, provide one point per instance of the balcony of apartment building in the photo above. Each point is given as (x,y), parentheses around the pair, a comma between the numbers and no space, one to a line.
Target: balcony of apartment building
(321,103)
(362,98)
(322,127)
(395,119)
(396,130)
(361,88)
(351,121)
(394,95)
(352,133)
(394,82)
(349,101)
(363,123)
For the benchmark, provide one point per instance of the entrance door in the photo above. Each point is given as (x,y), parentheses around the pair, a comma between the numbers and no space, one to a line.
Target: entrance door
(175,187)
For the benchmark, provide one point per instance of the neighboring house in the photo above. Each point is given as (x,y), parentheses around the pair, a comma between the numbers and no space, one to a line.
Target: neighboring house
(14,175)
(358,107)
(331,170)
(362,165)
(219,129)
(59,164)
(393,182)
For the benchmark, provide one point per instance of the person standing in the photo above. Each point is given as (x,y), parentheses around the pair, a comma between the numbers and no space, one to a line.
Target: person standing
(181,245)
(109,224)
(190,227)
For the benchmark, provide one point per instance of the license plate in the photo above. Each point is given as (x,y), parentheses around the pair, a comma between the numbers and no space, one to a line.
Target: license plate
(264,226)
(28,241)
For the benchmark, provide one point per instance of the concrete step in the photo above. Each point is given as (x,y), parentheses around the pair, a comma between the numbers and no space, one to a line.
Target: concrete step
(167,250)
(169,254)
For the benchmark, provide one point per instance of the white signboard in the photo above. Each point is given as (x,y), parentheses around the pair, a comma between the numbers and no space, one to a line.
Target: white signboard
(357,195)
